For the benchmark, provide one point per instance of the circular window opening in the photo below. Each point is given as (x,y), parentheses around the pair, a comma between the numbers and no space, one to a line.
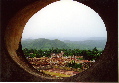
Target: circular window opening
(64,39)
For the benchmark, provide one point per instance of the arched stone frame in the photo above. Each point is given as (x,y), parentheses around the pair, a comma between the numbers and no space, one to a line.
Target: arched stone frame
(13,35)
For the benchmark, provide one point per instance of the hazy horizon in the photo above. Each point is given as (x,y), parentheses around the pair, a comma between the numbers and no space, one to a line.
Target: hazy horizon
(71,38)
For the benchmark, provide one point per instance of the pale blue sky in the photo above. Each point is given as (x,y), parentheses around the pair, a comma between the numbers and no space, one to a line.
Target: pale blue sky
(65,19)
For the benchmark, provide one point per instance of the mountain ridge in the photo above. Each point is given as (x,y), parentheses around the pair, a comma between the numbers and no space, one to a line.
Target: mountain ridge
(45,44)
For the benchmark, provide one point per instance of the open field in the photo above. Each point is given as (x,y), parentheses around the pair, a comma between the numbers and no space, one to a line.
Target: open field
(60,73)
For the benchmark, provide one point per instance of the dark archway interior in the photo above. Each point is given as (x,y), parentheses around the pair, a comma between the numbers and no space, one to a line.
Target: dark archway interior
(14,67)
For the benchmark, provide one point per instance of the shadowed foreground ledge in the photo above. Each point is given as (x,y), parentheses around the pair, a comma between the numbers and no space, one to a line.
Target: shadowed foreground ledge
(15,14)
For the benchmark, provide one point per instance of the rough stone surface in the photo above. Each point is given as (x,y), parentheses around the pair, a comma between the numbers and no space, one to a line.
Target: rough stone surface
(14,67)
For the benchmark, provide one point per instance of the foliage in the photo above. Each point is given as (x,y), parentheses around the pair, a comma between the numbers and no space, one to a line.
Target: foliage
(87,54)
(46,44)
(74,65)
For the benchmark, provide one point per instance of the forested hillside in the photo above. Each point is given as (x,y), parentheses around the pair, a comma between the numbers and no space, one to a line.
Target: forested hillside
(43,44)
(46,44)
(87,44)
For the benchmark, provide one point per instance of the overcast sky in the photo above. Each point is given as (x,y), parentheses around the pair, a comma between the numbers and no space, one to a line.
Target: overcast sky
(65,19)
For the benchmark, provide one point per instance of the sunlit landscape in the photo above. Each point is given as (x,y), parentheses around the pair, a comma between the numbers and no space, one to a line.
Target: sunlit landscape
(62,62)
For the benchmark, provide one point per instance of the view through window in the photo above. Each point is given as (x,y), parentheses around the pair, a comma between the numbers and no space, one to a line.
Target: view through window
(64,38)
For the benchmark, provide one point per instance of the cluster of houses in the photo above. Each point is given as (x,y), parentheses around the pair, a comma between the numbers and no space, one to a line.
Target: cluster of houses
(57,59)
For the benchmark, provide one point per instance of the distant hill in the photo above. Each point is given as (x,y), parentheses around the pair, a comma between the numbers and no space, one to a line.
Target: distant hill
(43,43)
(87,44)
(46,44)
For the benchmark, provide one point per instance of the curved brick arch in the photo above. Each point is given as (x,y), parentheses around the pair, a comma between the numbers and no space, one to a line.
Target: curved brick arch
(17,69)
